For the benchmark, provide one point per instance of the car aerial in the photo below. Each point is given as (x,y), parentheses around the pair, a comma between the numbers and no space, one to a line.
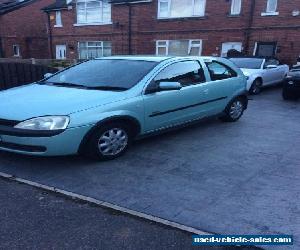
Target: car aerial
(99,106)
(291,85)
(261,72)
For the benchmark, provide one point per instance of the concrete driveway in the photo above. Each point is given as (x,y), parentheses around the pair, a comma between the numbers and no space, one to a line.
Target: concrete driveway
(240,178)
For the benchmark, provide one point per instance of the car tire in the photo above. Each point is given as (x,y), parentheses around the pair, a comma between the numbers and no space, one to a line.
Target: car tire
(256,87)
(287,94)
(109,141)
(234,110)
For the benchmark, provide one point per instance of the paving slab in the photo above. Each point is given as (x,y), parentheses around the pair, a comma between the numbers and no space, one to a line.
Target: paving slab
(229,178)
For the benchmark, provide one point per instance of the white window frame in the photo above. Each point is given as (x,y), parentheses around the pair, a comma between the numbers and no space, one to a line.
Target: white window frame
(102,22)
(17,46)
(269,12)
(58,19)
(233,4)
(87,47)
(191,45)
(199,45)
(169,2)
(166,46)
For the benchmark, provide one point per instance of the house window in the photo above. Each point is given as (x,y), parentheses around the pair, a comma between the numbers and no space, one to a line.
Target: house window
(181,8)
(179,47)
(236,6)
(16,50)
(58,22)
(90,50)
(93,12)
(271,6)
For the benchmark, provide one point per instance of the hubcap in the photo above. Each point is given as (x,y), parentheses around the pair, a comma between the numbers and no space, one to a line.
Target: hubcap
(113,141)
(236,109)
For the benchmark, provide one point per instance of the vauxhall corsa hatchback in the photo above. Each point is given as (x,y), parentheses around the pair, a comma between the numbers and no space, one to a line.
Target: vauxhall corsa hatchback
(100,106)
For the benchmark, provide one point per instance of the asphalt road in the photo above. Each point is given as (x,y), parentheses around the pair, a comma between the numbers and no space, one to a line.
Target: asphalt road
(240,178)
(34,219)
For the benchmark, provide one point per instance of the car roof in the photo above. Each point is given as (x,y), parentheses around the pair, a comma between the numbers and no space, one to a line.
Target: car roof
(154,58)
(137,58)
(250,57)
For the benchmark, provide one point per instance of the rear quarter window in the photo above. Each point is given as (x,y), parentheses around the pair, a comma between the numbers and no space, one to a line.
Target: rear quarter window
(220,71)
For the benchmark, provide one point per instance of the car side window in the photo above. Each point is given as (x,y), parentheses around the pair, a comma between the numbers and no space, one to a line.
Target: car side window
(271,62)
(186,73)
(219,71)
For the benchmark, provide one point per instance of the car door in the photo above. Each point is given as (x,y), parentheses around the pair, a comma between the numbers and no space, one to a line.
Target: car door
(272,75)
(172,107)
(223,84)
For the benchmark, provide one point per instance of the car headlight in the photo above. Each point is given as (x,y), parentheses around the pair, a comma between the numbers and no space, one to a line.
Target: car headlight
(45,123)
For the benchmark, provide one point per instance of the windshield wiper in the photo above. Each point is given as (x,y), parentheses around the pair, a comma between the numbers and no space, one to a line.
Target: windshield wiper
(65,84)
(108,88)
(73,85)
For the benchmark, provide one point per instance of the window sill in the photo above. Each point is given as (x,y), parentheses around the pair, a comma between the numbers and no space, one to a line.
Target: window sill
(91,24)
(57,26)
(234,15)
(269,13)
(181,18)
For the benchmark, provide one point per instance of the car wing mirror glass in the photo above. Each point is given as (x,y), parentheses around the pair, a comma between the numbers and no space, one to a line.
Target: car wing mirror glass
(165,86)
(47,75)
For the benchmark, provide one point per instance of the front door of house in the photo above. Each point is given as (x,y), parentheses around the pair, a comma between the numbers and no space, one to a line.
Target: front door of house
(61,52)
(266,49)
(230,46)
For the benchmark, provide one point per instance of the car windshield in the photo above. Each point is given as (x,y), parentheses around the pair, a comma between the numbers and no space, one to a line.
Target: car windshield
(295,68)
(247,63)
(104,74)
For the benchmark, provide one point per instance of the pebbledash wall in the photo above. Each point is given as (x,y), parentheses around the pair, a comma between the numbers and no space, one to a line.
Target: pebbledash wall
(23,29)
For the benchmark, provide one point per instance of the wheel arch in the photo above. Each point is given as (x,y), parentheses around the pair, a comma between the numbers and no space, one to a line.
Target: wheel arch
(133,123)
(243,96)
(258,78)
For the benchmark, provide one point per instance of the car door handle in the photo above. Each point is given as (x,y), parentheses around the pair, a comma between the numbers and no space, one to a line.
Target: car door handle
(205,91)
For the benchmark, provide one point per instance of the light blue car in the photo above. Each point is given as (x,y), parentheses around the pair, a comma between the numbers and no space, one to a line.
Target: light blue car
(100,106)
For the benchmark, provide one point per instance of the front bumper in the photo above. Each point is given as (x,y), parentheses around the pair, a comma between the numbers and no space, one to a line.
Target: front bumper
(65,143)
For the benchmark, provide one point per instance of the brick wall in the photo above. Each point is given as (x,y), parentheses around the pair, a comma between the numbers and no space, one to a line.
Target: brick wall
(26,27)
(215,28)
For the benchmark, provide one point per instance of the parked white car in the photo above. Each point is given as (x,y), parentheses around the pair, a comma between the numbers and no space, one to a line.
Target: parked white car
(261,72)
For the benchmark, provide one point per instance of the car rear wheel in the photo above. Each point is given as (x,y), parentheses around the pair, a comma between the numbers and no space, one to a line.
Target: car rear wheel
(256,87)
(109,141)
(234,110)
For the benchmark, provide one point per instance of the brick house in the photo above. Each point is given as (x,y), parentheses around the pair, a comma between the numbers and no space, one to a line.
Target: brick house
(23,30)
(95,28)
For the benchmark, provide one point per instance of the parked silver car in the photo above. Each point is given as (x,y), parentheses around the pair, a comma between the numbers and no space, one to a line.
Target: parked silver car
(261,72)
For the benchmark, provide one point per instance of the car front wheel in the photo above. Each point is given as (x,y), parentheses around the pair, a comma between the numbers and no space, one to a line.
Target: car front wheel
(256,87)
(234,111)
(109,141)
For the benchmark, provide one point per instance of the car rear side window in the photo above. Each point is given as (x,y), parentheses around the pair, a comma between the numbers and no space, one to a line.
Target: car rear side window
(187,73)
(219,71)
(271,62)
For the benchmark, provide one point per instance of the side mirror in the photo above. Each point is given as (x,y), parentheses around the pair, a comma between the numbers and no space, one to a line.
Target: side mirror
(271,67)
(164,86)
(47,75)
